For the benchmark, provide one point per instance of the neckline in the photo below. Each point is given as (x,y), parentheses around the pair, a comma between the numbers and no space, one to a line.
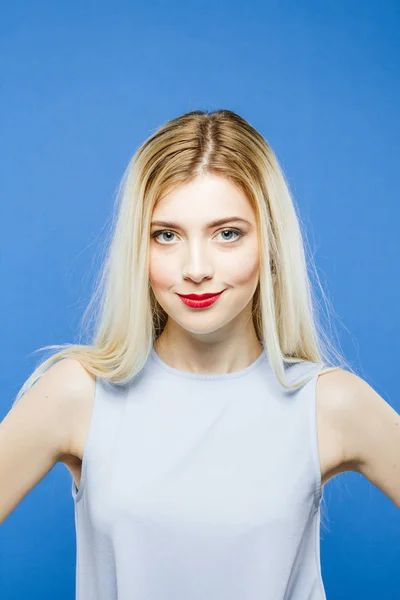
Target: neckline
(208,376)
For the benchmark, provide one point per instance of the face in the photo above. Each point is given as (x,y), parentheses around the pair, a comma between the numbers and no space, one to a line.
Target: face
(190,255)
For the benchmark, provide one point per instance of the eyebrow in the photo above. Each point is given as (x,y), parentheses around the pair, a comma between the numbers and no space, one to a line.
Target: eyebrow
(214,223)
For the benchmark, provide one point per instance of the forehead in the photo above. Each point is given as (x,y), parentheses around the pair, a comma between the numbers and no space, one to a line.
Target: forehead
(203,199)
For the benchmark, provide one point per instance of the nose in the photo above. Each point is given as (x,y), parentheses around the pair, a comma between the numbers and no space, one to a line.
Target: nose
(196,263)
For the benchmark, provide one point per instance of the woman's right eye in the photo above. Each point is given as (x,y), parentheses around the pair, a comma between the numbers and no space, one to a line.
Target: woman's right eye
(157,234)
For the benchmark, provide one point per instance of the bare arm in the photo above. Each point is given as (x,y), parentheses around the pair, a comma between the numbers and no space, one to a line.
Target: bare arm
(369,431)
(37,431)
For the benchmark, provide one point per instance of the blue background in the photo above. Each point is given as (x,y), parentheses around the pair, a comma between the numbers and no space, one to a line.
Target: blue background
(82,85)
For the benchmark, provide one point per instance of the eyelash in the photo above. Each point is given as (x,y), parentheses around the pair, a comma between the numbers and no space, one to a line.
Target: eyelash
(156,234)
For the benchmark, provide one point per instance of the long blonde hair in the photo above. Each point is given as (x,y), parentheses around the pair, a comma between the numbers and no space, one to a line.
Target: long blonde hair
(125,315)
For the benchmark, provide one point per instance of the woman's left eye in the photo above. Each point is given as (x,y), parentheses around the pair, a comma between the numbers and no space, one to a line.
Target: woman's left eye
(237,232)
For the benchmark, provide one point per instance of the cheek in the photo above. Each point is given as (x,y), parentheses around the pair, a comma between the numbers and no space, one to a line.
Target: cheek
(245,268)
(159,274)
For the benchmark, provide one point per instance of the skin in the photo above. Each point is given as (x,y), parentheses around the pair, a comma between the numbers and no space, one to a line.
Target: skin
(194,258)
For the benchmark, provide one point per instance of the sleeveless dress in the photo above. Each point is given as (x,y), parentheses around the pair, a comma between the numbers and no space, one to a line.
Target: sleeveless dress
(201,487)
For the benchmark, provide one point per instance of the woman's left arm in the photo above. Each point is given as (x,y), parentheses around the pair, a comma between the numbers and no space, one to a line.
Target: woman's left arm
(369,429)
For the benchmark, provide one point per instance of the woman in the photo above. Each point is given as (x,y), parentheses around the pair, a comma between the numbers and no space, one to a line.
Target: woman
(199,432)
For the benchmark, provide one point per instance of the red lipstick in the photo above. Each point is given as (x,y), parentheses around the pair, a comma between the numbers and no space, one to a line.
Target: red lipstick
(200,300)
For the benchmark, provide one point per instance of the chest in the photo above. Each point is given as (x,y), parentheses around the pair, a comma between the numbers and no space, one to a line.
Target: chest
(328,440)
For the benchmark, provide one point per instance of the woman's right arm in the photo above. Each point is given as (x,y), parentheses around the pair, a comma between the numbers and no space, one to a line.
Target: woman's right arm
(38,431)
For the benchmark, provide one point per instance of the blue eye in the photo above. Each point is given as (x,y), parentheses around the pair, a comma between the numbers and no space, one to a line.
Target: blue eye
(237,232)
(157,234)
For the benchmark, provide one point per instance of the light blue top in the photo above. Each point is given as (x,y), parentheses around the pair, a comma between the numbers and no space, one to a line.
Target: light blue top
(201,487)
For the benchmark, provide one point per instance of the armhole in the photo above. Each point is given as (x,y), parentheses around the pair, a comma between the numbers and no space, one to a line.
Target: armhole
(77,493)
(319,492)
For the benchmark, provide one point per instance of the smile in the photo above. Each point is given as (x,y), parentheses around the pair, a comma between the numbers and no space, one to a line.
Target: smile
(201,300)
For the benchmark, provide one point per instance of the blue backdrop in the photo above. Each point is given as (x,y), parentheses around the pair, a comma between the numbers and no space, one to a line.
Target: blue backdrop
(82,85)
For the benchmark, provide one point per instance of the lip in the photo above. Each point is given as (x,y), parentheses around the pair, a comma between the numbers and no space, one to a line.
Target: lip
(200,296)
(200,302)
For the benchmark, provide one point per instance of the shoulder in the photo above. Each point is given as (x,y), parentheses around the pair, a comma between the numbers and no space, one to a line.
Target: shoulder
(335,400)
(352,409)
(65,391)
(69,380)
(368,428)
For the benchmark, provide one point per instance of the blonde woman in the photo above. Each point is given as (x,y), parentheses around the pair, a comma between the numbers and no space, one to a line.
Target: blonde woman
(209,409)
